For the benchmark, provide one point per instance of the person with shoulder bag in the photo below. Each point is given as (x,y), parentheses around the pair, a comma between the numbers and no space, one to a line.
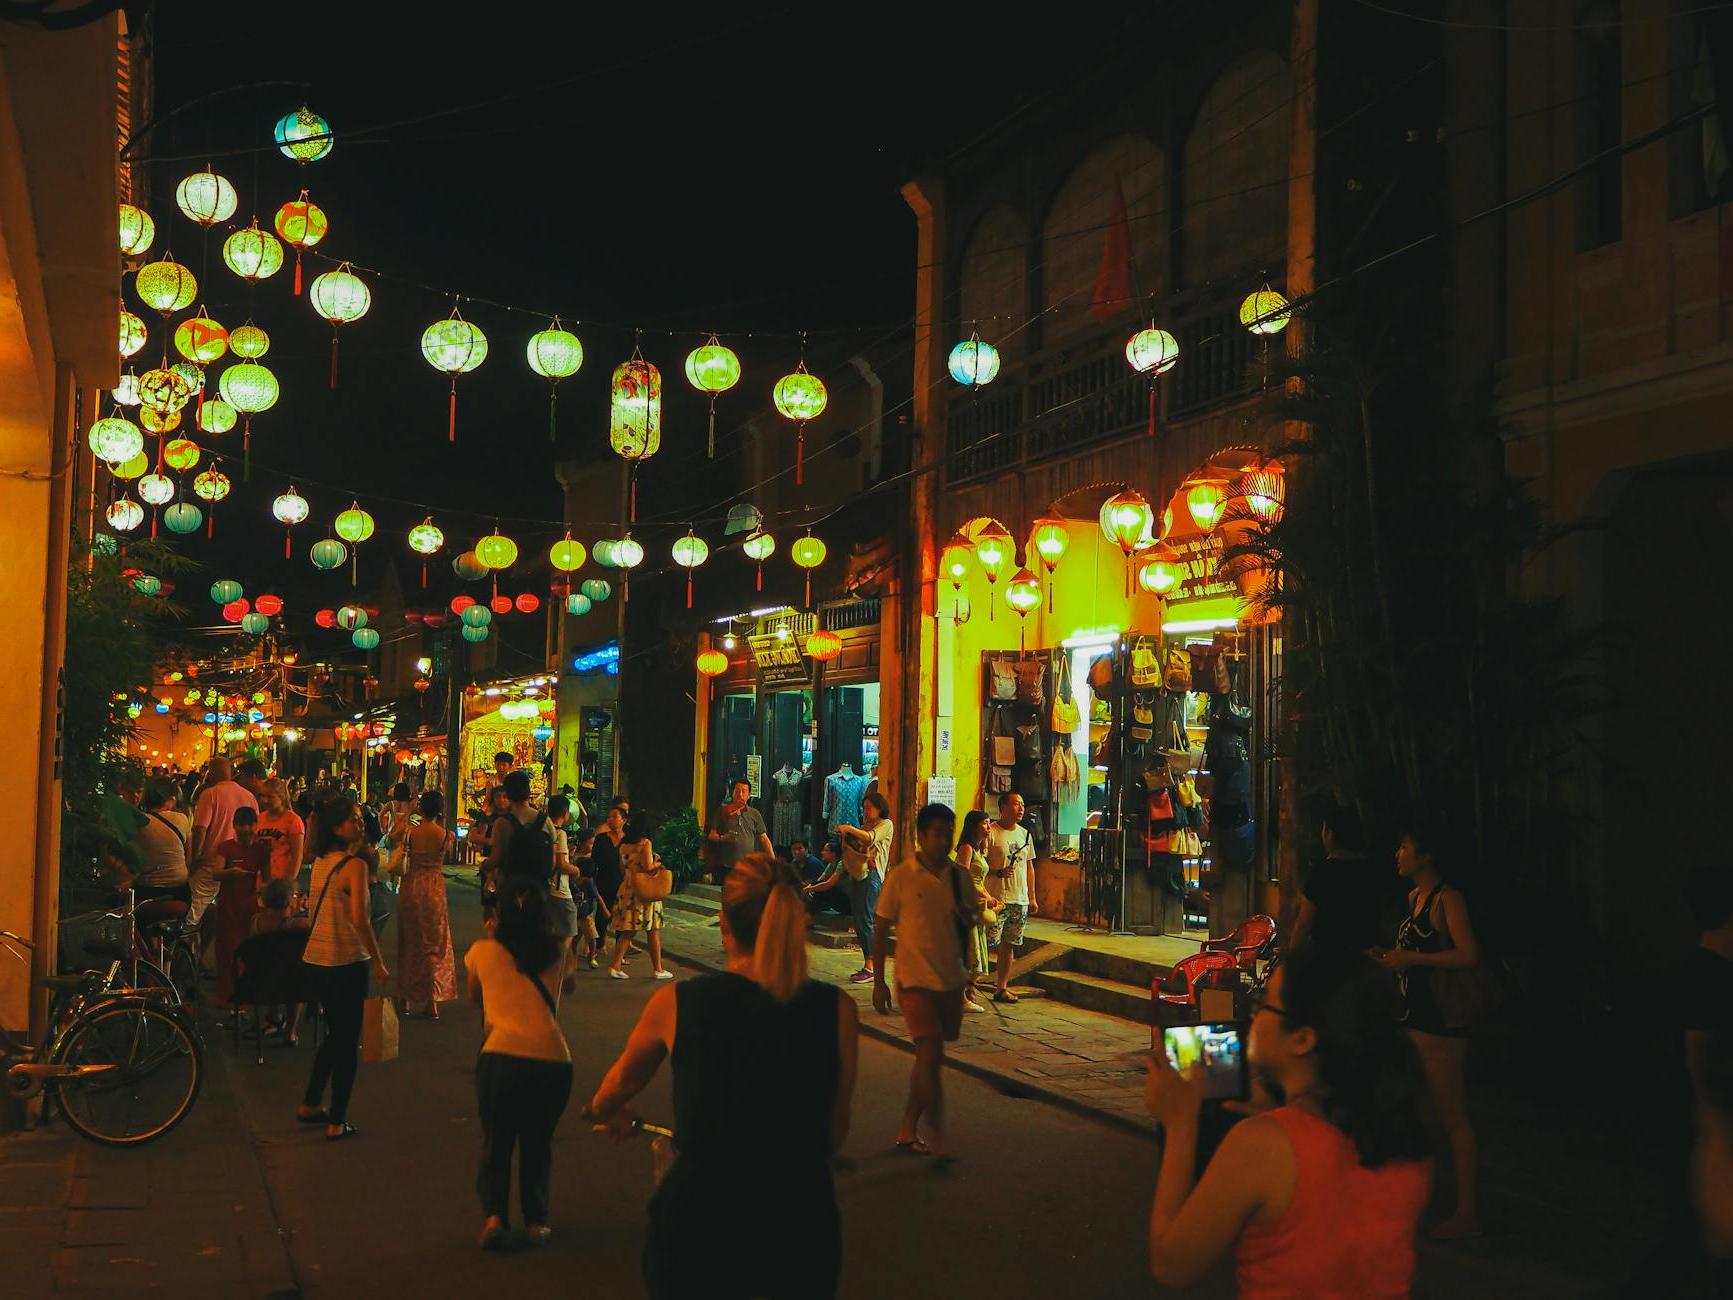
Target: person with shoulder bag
(341,949)
(645,883)
(1435,961)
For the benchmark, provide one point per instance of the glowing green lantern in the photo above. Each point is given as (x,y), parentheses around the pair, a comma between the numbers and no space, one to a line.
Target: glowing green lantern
(800,397)
(290,509)
(166,286)
(759,547)
(425,539)
(182,454)
(342,298)
(808,552)
(973,363)
(476,616)
(146,585)
(365,638)
(132,333)
(455,347)
(474,635)
(354,524)
(226,590)
(206,198)
(249,387)
(576,603)
(156,489)
(192,373)
(303,135)
(253,254)
(249,341)
(597,589)
(351,617)
(126,391)
(328,553)
(496,552)
(215,416)
(124,514)
(566,555)
(183,517)
(163,391)
(689,552)
(157,422)
(1265,312)
(137,230)
(257,624)
(712,368)
(554,354)
(635,410)
(131,469)
(114,439)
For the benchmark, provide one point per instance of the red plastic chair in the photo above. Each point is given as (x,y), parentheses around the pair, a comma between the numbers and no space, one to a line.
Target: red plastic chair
(1199,971)
(1244,942)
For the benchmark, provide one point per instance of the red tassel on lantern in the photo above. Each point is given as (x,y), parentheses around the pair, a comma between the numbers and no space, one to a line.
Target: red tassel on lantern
(451,425)
(800,454)
(688,589)
(1152,407)
(333,358)
(297,272)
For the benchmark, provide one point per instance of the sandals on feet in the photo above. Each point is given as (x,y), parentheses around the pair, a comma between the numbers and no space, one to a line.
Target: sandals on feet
(346,1131)
(912,1147)
(320,1116)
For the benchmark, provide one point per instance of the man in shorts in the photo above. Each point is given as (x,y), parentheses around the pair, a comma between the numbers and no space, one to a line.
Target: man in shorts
(930,903)
(1011,875)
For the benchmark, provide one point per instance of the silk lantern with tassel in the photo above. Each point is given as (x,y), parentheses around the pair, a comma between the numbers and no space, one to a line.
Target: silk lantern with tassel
(342,298)
(1050,539)
(453,346)
(993,551)
(759,547)
(555,354)
(800,397)
(302,224)
(689,552)
(1152,352)
(635,417)
(290,509)
(354,526)
(425,539)
(712,368)
(808,553)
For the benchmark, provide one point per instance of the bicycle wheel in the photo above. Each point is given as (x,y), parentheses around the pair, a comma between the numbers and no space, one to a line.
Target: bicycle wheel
(183,971)
(153,978)
(141,1071)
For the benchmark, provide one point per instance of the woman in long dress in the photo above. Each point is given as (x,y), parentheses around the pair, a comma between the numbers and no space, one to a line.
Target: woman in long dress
(426,973)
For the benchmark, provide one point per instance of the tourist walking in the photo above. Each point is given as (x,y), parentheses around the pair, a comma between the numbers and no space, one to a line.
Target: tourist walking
(162,845)
(341,948)
(562,908)
(605,866)
(1437,937)
(1011,867)
(763,1083)
(639,909)
(523,1076)
(931,905)
(866,855)
(1320,1196)
(736,829)
(972,858)
(426,971)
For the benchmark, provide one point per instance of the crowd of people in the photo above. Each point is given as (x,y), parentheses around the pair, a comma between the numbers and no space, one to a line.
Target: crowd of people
(1356,1039)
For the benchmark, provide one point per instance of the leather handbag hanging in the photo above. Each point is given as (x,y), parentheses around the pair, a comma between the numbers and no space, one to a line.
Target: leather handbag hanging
(1029,742)
(999,779)
(1002,742)
(1142,727)
(1002,679)
(1031,682)
(1101,674)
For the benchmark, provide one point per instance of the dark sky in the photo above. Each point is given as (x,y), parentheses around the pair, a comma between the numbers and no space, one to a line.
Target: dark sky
(737,171)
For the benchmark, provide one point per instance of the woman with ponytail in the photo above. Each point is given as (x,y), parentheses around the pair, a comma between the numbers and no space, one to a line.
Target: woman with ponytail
(764,1071)
(1323,1193)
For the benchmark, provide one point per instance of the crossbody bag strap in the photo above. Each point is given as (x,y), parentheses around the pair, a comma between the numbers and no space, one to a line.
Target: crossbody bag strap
(547,998)
(326,888)
(185,849)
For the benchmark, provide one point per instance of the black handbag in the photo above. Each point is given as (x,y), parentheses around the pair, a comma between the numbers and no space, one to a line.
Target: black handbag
(1029,742)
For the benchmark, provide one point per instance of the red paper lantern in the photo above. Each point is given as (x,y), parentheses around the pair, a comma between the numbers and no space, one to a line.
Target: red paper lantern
(404,755)
(268,605)
(500,604)
(435,619)
(379,728)
(528,603)
(326,618)
(461,603)
(236,610)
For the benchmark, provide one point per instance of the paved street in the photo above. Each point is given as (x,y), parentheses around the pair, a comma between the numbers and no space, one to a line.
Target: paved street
(243,1202)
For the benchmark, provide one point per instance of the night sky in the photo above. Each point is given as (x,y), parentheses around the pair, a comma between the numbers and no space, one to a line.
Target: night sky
(739,176)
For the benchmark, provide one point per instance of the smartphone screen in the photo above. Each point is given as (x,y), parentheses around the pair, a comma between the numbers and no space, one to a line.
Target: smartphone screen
(1219,1048)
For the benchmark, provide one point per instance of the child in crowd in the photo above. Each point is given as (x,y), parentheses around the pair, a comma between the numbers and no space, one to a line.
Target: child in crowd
(277,912)
(586,943)
(244,866)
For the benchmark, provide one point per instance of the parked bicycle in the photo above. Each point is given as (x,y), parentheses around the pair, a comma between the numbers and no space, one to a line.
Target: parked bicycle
(122,1064)
(154,948)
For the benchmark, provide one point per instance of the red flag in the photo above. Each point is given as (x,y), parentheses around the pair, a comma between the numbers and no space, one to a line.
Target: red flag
(1113,293)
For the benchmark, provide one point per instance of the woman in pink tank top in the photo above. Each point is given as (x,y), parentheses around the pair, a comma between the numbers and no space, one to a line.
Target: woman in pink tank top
(1323,1193)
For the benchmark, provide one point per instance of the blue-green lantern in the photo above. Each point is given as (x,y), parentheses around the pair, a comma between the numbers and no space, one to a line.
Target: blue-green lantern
(226,591)
(351,618)
(365,638)
(328,553)
(476,616)
(183,517)
(473,634)
(578,603)
(146,585)
(597,589)
(255,623)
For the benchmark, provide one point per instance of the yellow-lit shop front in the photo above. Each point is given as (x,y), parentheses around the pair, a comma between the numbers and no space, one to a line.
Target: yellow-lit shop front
(513,716)
(1119,684)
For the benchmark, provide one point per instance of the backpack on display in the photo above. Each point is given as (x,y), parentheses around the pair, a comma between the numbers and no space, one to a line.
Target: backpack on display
(1003,680)
(531,851)
(999,779)
(1029,742)
(1031,682)
(1145,666)
(1142,727)
(1176,672)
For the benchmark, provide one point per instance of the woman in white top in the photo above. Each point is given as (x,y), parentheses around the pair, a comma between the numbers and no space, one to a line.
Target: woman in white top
(341,947)
(523,1077)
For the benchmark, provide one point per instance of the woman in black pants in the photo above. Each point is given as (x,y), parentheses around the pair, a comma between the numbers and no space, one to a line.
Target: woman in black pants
(523,1077)
(341,946)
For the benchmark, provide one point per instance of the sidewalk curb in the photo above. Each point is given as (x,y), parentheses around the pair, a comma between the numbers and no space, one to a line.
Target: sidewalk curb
(1007,1083)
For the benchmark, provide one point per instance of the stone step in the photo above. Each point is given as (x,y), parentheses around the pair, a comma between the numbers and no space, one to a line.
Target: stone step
(1094,993)
(1117,968)
(693,903)
(837,939)
(702,889)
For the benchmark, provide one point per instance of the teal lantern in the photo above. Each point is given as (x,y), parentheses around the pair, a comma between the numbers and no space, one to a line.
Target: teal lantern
(328,553)
(303,135)
(578,603)
(351,618)
(255,624)
(476,616)
(225,590)
(146,585)
(365,638)
(474,634)
(183,517)
(974,363)
(468,567)
(597,589)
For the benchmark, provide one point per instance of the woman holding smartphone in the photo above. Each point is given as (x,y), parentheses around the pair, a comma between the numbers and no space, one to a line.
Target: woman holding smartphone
(1321,1195)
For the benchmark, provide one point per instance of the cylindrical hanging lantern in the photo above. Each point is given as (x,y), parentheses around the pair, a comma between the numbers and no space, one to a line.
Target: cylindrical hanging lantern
(800,397)
(253,254)
(712,663)
(342,298)
(973,363)
(635,417)
(496,551)
(1206,497)
(328,553)
(132,334)
(712,368)
(303,135)
(759,547)
(166,286)
(114,439)
(1265,312)
(206,198)
(124,514)
(137,230)
(302,225)
(365,638)
(454,347)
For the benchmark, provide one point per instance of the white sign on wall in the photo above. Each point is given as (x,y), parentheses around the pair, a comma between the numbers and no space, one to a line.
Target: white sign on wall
(755,773)
(942,789)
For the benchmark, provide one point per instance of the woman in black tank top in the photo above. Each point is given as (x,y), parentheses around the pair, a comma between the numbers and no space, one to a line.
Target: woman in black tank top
(764,1070)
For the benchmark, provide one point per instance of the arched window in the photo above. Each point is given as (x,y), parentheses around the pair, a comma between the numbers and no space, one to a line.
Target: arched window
(1236,171)
(1078,225)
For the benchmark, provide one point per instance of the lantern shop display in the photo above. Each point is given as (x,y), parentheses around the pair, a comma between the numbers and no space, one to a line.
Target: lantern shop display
(453,346)
(800,397)
(555,354)
(301,224)
(712,368)
(253,254)
(137,230)
(303,135)
(166,286)
(206,198)
(342,298)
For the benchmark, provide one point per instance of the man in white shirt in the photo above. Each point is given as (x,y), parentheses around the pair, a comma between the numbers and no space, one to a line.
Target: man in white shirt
(926,898)
(1011,876)
(213,824)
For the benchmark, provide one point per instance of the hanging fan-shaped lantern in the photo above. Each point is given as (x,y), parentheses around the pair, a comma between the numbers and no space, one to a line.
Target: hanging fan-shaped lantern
(496,551)
(124,514)
(132,334)
(342,298)
(212,485)
(973,363)
(181,454)
(206,198)
(303,135)
(759,547)
(290,509)
(712,368)
(1264,489)
(1159,569)
(166,286)
(800,397)
(455,347)
(808,553)
(555,354)
(302,224)
(137,230)
(253,254)
(183,517)
(249,341)
(216,416)
(114,439)
(689,552)
(328,553)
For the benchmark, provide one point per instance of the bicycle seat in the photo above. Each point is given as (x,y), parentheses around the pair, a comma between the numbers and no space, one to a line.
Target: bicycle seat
(65,983)
(161,911)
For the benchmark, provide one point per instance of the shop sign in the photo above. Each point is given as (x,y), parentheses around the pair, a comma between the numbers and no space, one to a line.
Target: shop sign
(780,663)
(755,774)
(1199,556)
